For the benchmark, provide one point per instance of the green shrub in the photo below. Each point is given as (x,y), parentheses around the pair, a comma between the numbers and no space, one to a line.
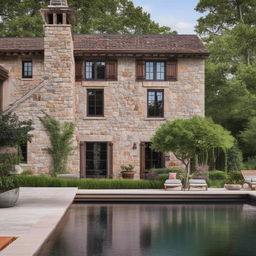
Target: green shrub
(7,162)
(218,175)
(162,177)
(8,183)
(27,172)
(235,177)
(216,183)
(166,170)
(43,181)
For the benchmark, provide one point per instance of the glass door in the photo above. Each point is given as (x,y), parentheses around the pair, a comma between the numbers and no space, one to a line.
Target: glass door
(96,160)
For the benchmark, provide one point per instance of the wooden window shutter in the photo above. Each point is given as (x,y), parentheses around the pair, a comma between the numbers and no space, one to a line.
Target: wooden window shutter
(82,159)
(142,160)
(171,70)
(112,70)
(140,70)
(79,69)
(110,160)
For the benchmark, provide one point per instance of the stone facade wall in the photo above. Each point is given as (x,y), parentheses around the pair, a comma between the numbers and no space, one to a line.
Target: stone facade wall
(55,98)
(125,121)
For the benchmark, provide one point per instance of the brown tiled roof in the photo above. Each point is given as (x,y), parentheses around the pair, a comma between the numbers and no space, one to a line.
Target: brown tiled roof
(15,44)
(183,44)
(172,44)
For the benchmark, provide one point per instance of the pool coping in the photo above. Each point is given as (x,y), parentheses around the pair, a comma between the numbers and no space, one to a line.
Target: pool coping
(158,195)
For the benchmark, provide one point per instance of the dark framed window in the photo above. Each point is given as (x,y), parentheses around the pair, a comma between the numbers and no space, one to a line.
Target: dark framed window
(95,102)
(1,96)
(23,151)
(153,159)
(27,69)
(155,103)
(155,70)
(95,70)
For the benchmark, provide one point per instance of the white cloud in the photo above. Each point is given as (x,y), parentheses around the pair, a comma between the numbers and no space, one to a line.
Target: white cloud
(147,8)
(184,27)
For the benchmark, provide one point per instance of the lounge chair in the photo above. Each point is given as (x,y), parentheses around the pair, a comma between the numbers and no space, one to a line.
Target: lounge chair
(172,182)
(250,178)
(197,183)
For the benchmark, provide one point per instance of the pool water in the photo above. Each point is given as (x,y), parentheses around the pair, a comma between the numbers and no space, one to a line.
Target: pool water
(158,229)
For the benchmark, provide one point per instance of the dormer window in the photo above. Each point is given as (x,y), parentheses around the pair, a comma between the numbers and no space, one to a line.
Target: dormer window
(50,18)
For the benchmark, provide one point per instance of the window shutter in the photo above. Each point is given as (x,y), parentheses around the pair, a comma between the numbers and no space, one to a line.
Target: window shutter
(82,159)
(112,70)
(142,160)
(79,69)
(171,70)
(110,160)
(140,73)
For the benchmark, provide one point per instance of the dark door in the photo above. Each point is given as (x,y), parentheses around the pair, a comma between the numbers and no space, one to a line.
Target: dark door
(150,159)
(96,160)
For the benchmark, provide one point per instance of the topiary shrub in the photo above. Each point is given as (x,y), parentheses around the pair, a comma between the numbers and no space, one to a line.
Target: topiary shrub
(218,175)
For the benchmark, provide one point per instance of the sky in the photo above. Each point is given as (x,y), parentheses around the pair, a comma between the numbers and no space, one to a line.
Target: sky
(177,14)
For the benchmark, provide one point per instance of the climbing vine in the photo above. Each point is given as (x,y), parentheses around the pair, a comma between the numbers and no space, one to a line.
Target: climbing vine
(60,136)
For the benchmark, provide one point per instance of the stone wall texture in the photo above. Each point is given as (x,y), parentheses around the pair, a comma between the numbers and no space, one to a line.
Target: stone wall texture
(125,122)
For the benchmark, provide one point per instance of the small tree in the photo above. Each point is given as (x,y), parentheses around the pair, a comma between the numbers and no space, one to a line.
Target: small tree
(187,138)
(60,136)
(12,134)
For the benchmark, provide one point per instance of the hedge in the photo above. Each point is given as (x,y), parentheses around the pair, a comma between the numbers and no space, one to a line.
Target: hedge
(44,181)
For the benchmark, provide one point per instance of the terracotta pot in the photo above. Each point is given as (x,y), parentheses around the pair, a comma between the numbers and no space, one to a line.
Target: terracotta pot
(233,186)
(128,175)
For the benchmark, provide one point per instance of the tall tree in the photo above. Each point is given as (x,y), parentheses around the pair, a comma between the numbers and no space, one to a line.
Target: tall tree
(228,28)
(22,18)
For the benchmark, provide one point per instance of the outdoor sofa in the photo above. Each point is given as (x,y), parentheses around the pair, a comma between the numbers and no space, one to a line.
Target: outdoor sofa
(197,183)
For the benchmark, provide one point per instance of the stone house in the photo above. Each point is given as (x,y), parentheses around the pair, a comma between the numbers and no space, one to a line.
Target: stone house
(116,89)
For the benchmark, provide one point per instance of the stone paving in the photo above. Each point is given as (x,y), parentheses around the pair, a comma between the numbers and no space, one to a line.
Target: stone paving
(32,220)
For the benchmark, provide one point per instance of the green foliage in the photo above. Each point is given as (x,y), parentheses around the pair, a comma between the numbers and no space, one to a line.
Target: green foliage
(189,137)
(42,181)
(216,183)
(60,136)
(7,162)
(248,137)
(218,175)
(27,172)
(250,164)
(235,177)
(234,158)
(127,168)
(9,183)
(14,132)
(22,18)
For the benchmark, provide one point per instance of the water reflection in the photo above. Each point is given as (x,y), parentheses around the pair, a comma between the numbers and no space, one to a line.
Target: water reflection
(158,229)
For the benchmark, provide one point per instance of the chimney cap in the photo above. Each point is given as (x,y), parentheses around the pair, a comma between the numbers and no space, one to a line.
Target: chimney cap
(58,3)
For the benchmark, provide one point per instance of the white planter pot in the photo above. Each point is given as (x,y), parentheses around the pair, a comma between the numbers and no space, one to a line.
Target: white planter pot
(9,198)
(233,186)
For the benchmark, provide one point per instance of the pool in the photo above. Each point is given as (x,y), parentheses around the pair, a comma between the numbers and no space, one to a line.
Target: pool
(157,229)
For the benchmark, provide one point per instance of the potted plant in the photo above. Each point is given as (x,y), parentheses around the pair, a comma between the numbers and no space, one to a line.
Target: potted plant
(234,181)
(127,171)
(12,134)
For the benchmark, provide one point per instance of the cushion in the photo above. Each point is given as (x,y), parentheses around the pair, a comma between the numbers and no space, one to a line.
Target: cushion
(197,181)
(250,179)
(172,175)
(174,181)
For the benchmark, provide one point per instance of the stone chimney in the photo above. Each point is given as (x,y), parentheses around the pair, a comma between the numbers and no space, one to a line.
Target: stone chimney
(59,58)
(59,66)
